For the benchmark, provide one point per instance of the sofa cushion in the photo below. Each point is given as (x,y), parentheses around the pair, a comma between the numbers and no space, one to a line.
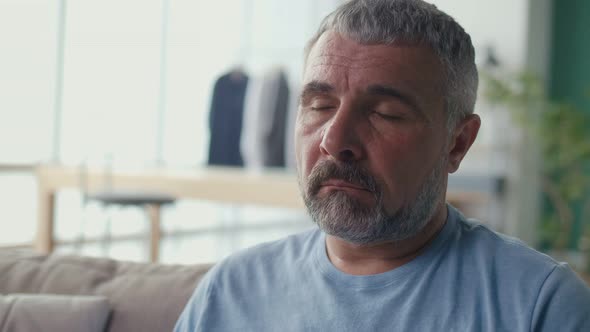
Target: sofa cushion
(144,297)
(25,313)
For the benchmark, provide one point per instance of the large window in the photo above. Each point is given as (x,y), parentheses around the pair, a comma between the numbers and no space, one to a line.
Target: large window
(28,30)
(111,80)
(130,82)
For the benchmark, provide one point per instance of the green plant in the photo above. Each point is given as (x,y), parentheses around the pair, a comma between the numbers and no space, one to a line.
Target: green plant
(562,135)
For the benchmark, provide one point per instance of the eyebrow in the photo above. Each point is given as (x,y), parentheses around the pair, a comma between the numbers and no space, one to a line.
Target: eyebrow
(314,87)
(387,91)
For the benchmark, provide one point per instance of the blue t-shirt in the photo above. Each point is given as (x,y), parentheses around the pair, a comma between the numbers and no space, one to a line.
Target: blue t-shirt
(469,278)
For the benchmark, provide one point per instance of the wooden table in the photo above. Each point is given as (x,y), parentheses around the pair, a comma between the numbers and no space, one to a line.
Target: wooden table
(275,188)
(230,185)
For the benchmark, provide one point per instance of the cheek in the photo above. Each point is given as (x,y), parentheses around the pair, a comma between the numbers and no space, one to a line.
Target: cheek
(401,158)
(307,148)
(398,145)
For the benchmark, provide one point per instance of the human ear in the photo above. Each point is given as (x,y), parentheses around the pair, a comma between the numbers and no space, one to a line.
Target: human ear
(462,138)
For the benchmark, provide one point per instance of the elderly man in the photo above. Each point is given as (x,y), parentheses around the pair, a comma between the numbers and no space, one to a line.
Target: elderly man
(386,113)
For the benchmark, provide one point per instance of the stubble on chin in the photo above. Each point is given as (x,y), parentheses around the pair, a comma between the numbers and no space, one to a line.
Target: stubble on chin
(342,215)
(337,212)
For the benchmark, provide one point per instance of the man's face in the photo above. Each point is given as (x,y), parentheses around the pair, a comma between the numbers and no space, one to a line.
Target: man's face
(371,140)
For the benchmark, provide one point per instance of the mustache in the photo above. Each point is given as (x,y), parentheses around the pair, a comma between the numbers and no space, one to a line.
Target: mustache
(349,172)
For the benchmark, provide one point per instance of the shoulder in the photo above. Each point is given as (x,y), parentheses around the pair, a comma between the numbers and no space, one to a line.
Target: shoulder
(480,242)
(288,247)
(508,259)
(262,260)
(501,264)
(563,302)
(519,276)
(248,276)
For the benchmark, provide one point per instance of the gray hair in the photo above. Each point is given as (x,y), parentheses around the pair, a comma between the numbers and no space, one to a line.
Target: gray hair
(414,21)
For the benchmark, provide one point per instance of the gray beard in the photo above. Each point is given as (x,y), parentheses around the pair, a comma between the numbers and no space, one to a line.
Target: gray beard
(343,216)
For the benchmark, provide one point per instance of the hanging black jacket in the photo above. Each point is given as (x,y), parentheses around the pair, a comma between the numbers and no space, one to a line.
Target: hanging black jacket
(225,119)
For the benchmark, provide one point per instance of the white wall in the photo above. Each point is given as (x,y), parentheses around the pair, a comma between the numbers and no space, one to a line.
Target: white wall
(502,24)
(519,32)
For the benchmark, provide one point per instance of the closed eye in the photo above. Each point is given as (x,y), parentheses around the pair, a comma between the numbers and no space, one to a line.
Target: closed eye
(321,108)
(389,116)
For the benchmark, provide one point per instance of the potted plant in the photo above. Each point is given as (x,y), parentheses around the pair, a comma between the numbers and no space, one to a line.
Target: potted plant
(562,134)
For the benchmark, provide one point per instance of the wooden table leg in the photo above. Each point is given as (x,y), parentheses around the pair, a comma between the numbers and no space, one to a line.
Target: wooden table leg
(154,215)
(45,222)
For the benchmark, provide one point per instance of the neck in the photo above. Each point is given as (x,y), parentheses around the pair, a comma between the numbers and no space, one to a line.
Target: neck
(369,259)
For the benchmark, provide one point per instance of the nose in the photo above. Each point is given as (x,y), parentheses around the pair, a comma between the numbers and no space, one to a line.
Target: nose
(340,139)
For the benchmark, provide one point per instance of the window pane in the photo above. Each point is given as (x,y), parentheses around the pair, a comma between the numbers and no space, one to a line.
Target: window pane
(19,208)
(27,79)
(111,80)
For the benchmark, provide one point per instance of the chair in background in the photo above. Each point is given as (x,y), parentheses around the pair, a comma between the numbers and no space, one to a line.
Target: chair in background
(151,202)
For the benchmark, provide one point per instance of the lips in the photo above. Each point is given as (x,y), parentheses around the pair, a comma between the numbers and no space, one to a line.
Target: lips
(342,184)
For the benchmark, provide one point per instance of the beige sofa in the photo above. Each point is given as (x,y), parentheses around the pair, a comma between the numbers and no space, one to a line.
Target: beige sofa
(72,293)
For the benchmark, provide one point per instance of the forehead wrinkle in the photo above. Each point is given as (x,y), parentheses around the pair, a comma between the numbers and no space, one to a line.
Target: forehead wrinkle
(360,62)
(397,86)
(351,66)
